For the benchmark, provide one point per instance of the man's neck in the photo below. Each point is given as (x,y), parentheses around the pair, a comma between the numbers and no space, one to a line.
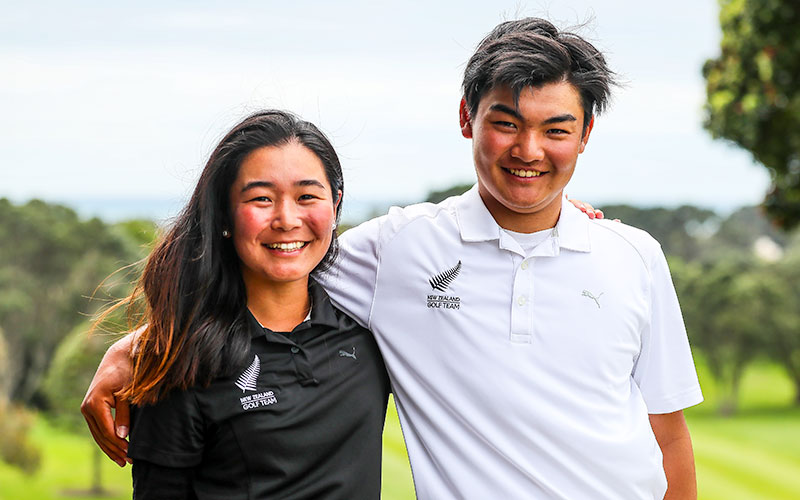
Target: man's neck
(521,222)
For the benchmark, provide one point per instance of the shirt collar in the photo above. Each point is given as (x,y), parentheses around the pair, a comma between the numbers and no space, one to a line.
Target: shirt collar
(475,223)
(474,220)
(322,312)
(572,228)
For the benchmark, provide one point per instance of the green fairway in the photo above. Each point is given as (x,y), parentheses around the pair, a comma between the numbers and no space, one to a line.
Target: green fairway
(65,469)
(754,454)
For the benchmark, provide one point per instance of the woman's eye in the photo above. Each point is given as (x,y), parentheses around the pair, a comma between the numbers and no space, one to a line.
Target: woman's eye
(305,197)
(261,199)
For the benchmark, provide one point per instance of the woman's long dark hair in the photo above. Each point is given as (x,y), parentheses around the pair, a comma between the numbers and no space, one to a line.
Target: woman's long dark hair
(193,319)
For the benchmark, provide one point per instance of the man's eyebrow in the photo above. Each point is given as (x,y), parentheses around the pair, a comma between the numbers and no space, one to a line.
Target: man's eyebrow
(507,110)
(566,117)
(267,184)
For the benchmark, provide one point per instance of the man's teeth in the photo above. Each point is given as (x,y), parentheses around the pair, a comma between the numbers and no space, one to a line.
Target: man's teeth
(287,246)
(525,173)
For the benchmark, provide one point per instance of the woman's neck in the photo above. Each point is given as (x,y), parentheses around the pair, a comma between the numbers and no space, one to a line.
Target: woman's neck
(279,307)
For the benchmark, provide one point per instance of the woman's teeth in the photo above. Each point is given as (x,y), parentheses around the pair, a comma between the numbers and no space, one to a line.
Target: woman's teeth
(287,246)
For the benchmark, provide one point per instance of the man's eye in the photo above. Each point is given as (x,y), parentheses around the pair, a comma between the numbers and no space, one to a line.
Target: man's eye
(504,124)
(307,197)
(557,131)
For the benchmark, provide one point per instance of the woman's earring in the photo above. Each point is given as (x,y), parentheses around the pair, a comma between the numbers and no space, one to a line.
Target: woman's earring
(226,233)
(333,227)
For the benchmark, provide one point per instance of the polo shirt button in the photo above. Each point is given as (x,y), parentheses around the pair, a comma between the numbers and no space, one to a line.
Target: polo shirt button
(295,350)
(524,265)
(522,300)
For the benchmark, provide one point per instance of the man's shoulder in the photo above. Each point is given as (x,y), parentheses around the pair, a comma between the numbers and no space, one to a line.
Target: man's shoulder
(422,212)
(398,219)
(613,236)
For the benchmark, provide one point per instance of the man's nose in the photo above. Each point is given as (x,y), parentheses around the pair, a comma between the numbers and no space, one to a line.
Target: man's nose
(528,147)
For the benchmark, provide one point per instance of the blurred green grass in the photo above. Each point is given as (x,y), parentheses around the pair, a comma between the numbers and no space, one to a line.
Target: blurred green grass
(754,454)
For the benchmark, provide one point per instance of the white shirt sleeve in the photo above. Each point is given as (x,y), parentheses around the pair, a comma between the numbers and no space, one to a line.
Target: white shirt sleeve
(665,371)
(350,283)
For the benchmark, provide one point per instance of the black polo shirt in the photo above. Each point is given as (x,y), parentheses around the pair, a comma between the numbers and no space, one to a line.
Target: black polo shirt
(303,421)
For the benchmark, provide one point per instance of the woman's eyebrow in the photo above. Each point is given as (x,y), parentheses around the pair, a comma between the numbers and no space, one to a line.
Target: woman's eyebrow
(268,184)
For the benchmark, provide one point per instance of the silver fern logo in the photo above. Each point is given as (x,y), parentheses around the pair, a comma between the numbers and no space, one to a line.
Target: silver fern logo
(444,279)
(249,378)
(441,282)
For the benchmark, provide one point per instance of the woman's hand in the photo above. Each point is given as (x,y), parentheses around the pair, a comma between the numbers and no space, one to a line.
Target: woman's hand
(586,208)
(113,373)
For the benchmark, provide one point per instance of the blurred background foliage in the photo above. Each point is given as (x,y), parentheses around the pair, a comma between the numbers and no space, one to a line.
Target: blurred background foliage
(753,94)
(57,272)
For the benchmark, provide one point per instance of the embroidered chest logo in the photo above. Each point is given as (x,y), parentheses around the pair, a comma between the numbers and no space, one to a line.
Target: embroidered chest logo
(345,354)
(441,282)
(248,381)
(596,299)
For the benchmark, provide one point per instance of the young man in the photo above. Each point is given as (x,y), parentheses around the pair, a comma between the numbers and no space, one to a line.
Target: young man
(533,353)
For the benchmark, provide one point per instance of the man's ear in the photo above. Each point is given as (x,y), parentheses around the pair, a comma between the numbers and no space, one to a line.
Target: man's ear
(464,119)
(585,137)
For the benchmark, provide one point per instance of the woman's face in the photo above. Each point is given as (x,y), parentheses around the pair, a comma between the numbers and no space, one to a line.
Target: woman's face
(283,212)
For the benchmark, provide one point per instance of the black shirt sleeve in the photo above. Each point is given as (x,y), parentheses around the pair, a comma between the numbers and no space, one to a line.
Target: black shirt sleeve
(156,482)
(169,433)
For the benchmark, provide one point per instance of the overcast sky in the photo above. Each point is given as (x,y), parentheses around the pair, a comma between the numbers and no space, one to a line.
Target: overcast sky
(122,102)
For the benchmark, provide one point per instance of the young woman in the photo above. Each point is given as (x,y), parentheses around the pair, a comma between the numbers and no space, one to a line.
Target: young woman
(247,382)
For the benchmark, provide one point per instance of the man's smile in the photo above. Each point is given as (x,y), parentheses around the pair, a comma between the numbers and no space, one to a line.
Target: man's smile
(523,173)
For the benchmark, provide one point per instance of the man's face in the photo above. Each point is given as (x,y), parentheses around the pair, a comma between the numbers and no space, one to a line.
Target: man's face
(524,156)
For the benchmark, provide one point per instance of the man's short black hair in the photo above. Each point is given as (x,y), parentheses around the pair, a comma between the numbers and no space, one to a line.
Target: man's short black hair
(532,52)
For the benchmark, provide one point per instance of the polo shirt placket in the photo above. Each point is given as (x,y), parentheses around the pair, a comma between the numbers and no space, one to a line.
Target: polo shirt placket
(300,357)
(523,320)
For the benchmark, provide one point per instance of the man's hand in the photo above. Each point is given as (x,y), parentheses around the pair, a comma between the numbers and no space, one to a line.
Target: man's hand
(113,373)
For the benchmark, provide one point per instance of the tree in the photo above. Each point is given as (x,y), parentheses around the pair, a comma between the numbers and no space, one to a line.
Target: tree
(15,448)
(727,306)
(784,342)
(753,94)
(52,262)
(71,371)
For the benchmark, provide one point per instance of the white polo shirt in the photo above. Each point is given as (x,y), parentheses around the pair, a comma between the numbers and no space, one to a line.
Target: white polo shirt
(521,376)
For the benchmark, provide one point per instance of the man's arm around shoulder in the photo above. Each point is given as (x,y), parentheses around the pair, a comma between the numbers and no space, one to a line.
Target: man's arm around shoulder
(113,373)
